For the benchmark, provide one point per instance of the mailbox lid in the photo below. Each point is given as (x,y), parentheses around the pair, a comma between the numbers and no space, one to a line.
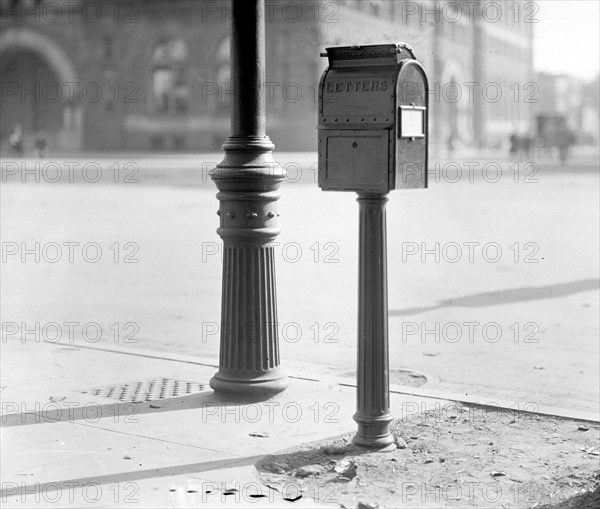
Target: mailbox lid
(363,97)
(378,54)
(358,89)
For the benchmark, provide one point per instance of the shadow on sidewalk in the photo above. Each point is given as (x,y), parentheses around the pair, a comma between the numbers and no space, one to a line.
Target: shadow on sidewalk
(77,409)
(509,296)
(15,490)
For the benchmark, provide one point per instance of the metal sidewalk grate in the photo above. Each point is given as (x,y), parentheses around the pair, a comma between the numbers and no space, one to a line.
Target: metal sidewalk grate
(148,390)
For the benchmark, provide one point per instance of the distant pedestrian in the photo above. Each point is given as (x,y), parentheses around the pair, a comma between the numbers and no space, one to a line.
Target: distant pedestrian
(565,140)
(514,144)
(527,145)
(451,145)
(41,144)
(15,140)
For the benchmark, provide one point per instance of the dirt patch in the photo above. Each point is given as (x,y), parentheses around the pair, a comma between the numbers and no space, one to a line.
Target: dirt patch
(456,456)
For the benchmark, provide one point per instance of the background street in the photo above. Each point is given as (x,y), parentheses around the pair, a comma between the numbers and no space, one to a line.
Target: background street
(516,312)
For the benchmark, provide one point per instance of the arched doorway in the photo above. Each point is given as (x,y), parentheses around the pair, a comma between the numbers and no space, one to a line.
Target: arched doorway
(39,90)
(32,98)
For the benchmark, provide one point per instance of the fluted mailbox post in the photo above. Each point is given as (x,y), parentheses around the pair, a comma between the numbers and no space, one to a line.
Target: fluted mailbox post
(373,115)
(248,180)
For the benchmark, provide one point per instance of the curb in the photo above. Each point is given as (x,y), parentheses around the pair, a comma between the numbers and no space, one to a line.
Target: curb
(301,372)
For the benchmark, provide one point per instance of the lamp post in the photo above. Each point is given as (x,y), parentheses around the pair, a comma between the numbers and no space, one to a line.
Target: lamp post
(248,180)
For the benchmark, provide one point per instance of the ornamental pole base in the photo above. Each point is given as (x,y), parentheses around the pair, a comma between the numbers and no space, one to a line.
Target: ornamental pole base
(374,432)
(248,180)
(259,388)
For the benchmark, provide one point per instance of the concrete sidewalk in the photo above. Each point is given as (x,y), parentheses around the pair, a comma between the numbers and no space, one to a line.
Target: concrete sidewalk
(68,440)
(63,445)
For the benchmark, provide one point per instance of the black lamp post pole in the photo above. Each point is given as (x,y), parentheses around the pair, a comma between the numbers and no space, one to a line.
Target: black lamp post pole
(248,179)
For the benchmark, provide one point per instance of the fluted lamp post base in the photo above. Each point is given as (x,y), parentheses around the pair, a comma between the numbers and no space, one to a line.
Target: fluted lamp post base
(251,387)
(248,180)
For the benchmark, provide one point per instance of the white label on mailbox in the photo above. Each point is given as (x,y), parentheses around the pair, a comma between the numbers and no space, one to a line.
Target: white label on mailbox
(411,122)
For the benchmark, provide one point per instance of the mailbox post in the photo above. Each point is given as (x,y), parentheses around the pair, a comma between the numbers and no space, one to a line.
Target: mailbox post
(373,123)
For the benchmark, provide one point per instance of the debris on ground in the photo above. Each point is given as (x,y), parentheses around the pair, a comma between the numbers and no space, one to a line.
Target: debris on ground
(459,456)
(259,434)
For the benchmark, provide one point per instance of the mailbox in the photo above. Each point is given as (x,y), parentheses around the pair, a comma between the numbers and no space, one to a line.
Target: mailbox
(373,120)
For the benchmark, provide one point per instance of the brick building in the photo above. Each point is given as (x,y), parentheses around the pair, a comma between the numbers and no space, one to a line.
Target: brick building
(154,74)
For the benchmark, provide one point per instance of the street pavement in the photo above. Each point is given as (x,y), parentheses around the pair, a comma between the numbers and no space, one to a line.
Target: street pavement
(493,271)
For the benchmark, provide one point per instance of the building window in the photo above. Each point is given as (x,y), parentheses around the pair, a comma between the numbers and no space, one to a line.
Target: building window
(375,7)
(162,88)
(178,143)
(223,71)
(107,41)
(157,142)
(223,62)
(171,48)
(170,92)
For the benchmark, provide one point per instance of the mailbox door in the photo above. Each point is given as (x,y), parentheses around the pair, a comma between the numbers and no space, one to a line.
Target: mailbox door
(354,160)
(411,127)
